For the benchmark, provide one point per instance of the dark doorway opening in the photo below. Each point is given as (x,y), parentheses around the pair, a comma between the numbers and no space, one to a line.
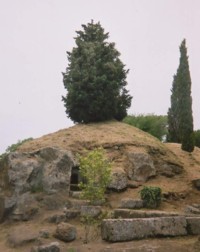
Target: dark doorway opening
(75,179)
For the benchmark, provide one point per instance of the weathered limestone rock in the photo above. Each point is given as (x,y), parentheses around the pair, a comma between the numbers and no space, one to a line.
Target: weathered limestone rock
(44,233)
(76,204)
(92,211)
(57,218)
(170,170)
(10,204)
(130,214)
(71,213)
(131,229)
(193,209)
(193,225)
(52,247)
(131,203)
(65,232)
(119,180)
(26,208)
(47,170)
(141,167)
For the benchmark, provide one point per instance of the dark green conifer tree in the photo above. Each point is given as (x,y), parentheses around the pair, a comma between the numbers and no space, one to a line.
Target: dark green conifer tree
(173,115)
(95,78)
(180,118)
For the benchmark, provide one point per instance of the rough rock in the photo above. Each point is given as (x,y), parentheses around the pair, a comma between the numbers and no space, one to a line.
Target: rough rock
(44,233)
(26,208)
(131,229)
(128,214)
(192,209)
(10,204)
(47,170)
(170,170)
(65,232)
(52,247)
(141,166)
(75,194)
(119,180)
(131,203)
(193,225)
(57,218)
(71,213)
(76,204)
(52,202)
(196,183)
(92,211)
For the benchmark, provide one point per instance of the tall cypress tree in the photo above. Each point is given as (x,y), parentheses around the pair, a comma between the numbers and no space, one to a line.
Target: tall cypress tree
(95,78)
(173,114)
(180,118)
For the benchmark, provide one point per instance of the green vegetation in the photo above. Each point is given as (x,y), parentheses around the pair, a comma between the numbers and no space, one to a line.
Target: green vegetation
(95,78)
(197,138)
(92,225)
(180,118)
(14,147)
(95,169)
(156,125)
(151,196)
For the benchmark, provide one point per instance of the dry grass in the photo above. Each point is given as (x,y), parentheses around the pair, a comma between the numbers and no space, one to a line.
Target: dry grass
(87,136)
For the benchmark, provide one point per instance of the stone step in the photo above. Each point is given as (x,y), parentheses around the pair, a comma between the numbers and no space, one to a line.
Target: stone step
(129,214)
(129,203)
(118,230)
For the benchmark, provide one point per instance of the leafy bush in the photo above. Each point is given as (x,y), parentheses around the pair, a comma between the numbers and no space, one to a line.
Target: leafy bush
(151,196)
(156,125)
(95,169)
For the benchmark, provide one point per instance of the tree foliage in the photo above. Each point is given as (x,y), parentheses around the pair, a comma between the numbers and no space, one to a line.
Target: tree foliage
(180,118)
(95,78)
(155,125)
(197,138)
(95,169)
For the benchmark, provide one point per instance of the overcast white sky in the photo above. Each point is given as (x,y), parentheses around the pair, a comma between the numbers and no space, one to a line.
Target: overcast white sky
(34,38)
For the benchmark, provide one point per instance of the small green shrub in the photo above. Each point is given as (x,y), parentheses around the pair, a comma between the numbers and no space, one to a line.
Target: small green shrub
(95,169)
(151,196)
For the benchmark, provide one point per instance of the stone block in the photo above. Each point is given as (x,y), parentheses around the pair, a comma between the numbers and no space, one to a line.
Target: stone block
(133,229)
(193,225)
(131,203)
